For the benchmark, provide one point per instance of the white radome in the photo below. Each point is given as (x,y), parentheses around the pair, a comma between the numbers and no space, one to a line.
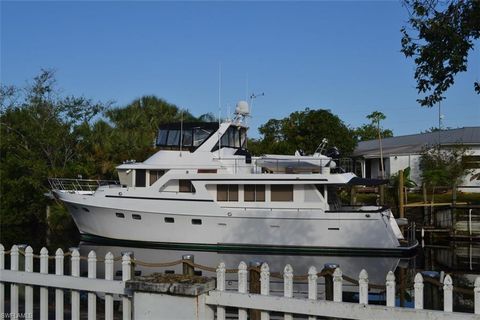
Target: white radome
(242,108)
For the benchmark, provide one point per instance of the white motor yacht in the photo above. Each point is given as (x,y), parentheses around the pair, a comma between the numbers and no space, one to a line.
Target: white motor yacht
(203,190)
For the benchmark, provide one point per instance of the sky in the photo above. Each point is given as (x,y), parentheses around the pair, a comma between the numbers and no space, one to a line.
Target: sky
(343,56)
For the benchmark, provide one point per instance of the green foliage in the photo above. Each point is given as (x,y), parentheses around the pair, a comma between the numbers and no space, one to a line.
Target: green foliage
(303,130)
(443,36)
(38,140)
(370,132)
(443,167)
(407,182)
(47,135)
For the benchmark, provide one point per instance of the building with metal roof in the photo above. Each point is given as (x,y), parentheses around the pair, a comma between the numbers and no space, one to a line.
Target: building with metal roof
(404,151)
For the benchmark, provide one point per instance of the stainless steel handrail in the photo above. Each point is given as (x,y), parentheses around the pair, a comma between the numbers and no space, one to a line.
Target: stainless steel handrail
(90,185)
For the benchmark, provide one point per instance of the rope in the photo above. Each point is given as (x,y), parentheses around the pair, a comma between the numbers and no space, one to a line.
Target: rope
(277,275)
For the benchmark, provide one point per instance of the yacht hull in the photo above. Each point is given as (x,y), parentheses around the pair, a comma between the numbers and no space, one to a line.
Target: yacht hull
(167,224)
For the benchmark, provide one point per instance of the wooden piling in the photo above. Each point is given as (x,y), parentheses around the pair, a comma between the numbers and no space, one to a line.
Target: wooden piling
(401,195)
(188,270)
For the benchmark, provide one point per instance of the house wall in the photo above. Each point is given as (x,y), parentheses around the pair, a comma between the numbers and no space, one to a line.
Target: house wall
(402,162)
(475,184)
(395,163)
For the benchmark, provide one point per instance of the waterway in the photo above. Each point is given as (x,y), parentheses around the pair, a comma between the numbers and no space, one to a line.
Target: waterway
(459,259)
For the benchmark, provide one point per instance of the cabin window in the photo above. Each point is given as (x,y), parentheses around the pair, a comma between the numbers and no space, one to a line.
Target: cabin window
(140,177)
(185,186)
(207,171)
(197,221)
(321,189)
(254,193)
(155,175)
(119,215)
(227,192)
(136,217)
(282,192)
(173,138)
(169,220)
(234,137)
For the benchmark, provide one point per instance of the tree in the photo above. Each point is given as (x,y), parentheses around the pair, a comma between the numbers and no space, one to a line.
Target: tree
(376,117)
(441,37)
(303,130)
(370,132)
(41,138)
(443,167)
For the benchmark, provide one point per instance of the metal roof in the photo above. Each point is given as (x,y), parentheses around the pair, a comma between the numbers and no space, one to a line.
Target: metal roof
(415,143)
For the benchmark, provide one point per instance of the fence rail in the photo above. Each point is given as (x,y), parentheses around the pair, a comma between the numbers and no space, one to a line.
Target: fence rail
(247,299)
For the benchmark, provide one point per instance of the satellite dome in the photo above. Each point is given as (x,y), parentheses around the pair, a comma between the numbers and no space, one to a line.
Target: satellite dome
(242,108)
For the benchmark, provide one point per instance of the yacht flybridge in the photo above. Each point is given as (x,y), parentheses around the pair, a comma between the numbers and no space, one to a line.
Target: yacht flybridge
(203,190)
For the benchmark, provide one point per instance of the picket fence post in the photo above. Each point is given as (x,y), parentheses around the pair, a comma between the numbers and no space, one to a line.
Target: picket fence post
(92,274)
(363,287)
(108,276)
(337,285)
(221,287)
(59,298)
(28,289)
(265,287)
(390,284)
(126,275)
(476,292)
(242,287)
(14,287)
(2,286)
(312,286)
(448,294)
(288,286)
(44,290)
(418,295)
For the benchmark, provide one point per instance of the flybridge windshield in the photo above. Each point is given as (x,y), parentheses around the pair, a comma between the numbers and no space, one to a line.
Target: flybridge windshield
(234,137)
(192,135)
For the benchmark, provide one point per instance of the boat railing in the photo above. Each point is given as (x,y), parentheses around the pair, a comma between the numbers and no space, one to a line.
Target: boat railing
(81,185)
(285,165)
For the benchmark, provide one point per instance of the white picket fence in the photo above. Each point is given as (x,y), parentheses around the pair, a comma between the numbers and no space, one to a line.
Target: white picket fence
(219,299)
(59,281)
(336,308)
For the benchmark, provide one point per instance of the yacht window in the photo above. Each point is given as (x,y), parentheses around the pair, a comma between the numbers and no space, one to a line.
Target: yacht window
(155,175)
(200,135)
(119,215)
(321,189)
(187,138)
(207,171)
(173,138)
(197,221)
(227,192)
(282,192)
(254,193)
(140,178)
(169,220)
(234,137)
(162,137)
(136,217)
(185,186)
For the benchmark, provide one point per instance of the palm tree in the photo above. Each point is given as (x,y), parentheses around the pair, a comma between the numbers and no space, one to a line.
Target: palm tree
(376,117)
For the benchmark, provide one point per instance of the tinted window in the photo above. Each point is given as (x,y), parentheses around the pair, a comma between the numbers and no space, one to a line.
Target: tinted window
(282,192)
(173,138)
(140,177)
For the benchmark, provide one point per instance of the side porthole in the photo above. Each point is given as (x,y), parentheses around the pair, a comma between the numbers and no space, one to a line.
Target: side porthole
(169,220)
(136,217)
(197,221)
(119,215)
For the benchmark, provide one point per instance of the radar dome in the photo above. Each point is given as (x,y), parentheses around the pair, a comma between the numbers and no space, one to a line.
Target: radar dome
(242,108)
